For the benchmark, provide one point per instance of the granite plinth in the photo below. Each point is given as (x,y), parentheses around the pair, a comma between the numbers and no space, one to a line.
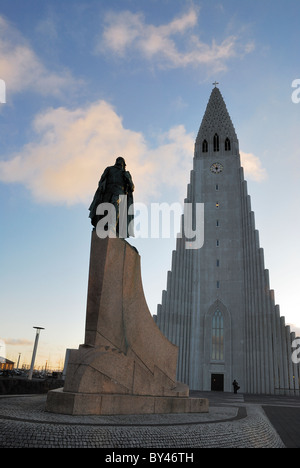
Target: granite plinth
(59,401)
(126,365)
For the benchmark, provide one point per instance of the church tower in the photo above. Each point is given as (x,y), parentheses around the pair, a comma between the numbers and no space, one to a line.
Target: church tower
(218,307)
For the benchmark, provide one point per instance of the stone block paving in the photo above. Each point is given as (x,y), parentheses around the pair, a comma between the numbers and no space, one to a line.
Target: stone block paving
(25,423)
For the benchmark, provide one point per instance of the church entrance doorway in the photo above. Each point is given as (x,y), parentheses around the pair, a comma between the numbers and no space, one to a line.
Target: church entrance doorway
(217,382)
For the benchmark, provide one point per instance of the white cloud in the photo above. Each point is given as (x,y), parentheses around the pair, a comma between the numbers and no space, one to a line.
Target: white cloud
(171,45)
(253,167)
(173,160)
(17,342)
(21,68)
(73,147)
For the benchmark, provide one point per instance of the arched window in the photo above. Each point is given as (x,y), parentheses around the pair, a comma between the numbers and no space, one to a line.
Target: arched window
(217,336)
(216,142)
(227,144)
(204,146)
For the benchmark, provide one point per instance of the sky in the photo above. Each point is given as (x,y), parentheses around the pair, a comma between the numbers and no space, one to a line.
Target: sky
(87,81)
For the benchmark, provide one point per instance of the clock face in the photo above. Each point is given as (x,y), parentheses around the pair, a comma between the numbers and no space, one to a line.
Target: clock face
(216,168)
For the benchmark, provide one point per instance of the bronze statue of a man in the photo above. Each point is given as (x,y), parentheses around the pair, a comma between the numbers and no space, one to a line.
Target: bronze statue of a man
(115,185)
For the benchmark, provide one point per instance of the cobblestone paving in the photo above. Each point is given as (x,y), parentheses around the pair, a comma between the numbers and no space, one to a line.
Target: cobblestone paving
(25,423)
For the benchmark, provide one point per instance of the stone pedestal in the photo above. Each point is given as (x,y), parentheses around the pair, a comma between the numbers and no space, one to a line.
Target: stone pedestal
(126,365)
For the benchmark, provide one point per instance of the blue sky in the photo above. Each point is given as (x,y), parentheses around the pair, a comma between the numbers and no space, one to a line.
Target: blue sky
(87,81)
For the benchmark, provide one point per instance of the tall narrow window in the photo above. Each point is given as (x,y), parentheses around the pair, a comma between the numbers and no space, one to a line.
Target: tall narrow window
(218,336)
(204,146)
(216,142)
(227,144)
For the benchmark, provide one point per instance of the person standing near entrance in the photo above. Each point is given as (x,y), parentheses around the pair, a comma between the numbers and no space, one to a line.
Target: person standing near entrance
(235,386)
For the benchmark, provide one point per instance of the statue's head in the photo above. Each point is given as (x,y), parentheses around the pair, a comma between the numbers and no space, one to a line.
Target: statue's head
(120,162)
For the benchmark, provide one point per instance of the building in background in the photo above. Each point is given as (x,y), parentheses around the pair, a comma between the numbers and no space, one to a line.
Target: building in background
(6,364)
(218,307)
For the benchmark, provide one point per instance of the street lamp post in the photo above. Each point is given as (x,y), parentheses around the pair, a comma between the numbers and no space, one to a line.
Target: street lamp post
(38,329)
(18,361)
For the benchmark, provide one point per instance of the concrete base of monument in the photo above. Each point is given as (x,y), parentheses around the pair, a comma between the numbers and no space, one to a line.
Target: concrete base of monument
(62,402)
(126,365)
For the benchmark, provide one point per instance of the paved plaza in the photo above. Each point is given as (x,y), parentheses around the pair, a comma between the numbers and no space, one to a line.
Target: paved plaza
(233,421)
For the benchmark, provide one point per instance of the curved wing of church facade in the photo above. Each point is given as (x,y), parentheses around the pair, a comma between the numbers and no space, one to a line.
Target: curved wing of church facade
(218,307)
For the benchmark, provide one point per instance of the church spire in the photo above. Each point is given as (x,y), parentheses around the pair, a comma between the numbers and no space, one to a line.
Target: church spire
(218,307)
(216,121)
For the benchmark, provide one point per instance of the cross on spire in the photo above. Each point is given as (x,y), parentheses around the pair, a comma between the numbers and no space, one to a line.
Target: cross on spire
(215,84)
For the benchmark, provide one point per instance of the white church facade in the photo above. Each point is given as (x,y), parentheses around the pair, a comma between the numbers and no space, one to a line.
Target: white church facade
(218,307)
